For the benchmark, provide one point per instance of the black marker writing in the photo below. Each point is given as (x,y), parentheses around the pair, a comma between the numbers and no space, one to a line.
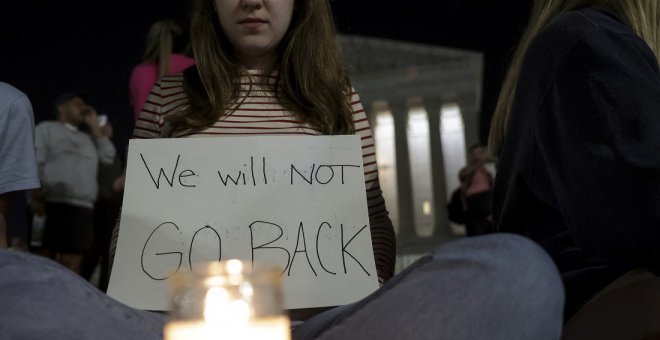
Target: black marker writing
(311,173)
(228,178)
(322,174)
(169,180)
(180,255)
(318,255)
(192,243)
(301,234)
(344,252)
(267,244)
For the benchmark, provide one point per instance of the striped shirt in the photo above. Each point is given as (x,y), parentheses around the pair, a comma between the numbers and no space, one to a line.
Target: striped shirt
(259,113)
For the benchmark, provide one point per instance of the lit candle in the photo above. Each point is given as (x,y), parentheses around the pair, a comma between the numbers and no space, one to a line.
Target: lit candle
(276,328)
(228,301)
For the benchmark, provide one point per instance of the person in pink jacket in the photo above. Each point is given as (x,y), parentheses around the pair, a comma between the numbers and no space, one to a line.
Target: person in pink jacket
(158,60)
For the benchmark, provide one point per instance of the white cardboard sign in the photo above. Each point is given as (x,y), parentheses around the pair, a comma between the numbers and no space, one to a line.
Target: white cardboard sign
(296,202)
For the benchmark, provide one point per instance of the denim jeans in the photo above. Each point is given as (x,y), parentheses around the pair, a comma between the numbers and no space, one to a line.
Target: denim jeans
(40,299)
(489,287)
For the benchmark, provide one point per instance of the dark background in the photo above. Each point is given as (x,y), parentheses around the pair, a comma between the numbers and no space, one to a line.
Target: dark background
(51,47)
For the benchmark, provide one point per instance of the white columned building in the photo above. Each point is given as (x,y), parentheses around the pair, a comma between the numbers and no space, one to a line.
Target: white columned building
(424,104)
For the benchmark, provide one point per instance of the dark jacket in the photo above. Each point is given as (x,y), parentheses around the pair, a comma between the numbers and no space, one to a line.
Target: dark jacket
(579,170)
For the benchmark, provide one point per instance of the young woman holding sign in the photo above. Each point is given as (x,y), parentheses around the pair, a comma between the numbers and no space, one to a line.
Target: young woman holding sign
(248,82)
(274,67)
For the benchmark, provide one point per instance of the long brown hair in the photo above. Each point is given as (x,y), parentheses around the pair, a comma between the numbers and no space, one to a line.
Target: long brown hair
(159,44)
(312,78)
(643,16)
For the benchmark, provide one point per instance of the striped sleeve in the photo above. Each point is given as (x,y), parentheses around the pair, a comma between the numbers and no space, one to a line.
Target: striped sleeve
(150,122)
(382,232)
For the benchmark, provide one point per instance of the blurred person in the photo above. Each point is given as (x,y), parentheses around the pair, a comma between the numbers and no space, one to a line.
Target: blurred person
(476,191)
(106,212)
(159,59)
(18,165)
(68,160)
(577,129)
(263,58)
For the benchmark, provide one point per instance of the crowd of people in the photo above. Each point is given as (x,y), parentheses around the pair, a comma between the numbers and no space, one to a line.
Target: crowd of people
(567,232)
(76,200)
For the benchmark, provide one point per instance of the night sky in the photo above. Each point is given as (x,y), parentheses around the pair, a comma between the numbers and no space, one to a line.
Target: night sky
(51,47)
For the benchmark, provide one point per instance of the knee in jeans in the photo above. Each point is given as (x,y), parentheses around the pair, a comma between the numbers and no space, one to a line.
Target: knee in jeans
(522,251)
(515,262)
(531,265)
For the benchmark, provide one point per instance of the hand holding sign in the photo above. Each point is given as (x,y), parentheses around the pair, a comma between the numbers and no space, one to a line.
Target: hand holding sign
(296,202)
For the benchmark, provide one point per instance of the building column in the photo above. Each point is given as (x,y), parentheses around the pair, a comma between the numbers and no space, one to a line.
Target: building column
(470,112)
(441,228)
(399,111)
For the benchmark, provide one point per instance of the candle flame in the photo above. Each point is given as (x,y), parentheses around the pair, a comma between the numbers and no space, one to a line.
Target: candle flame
(220,308)
(234,267)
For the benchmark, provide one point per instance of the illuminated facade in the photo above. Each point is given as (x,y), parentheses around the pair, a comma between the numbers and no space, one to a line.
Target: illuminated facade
(423,102)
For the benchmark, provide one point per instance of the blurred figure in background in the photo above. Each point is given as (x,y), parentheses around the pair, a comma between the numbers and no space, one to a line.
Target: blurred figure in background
(18,165)
(476,191)
(68,160)
(106,212)
(159,59)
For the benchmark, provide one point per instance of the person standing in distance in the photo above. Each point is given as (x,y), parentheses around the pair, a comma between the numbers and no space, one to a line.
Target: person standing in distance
(68,160)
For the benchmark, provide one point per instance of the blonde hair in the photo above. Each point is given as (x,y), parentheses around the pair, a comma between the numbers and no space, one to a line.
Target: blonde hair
(159,44)
(312,83)
(643,16)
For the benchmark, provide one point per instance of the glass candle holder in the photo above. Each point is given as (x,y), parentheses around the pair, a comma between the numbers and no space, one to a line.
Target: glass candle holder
(228,300)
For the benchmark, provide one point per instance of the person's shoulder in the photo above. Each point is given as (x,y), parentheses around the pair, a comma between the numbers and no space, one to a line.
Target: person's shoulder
(176,77)
(171,87)
(180,56)
(171,93)
(180,62)
(49,125)
(143,68)
(10,96)
(575,27)
(564,31)
(351,92)
(584,34)
(172,80)
(603,21)
(610,41)
(9,91)
(140,67)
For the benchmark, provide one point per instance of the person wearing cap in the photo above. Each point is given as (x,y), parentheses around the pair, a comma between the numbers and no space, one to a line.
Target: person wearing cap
(69,151)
